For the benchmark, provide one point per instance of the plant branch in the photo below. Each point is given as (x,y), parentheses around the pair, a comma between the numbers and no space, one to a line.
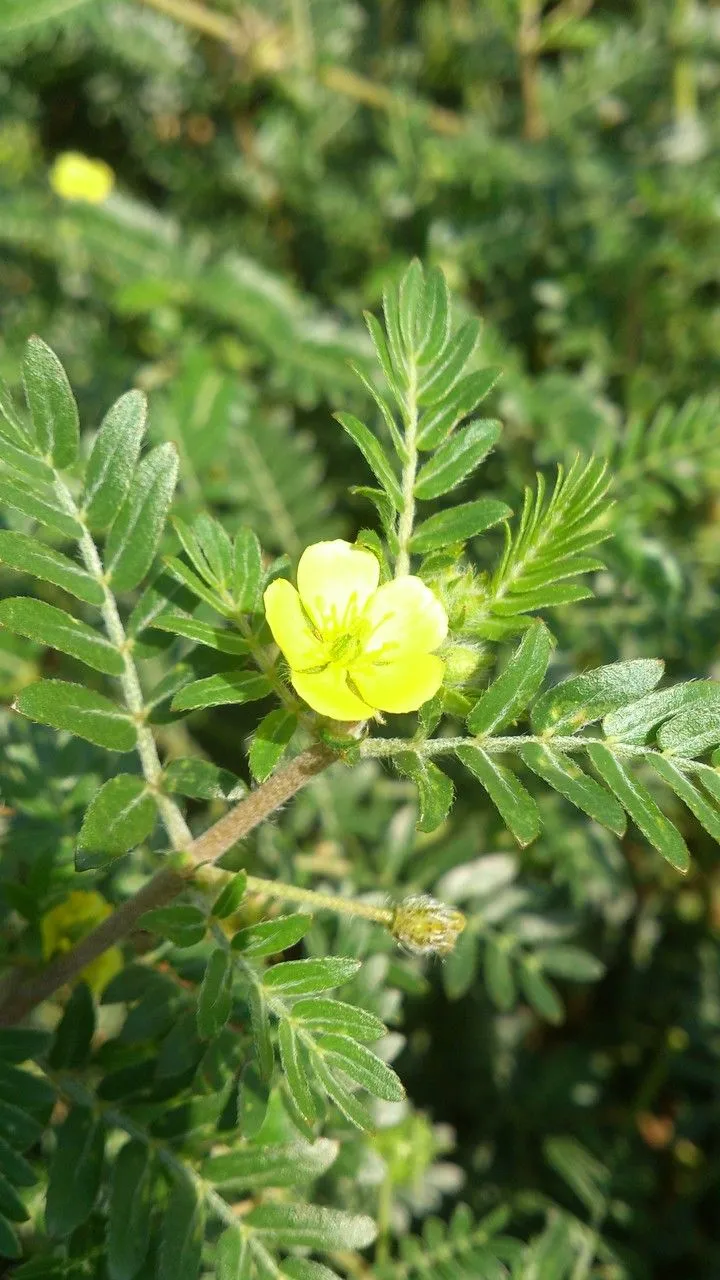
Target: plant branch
(407,516)
(387,747)
(321,901)
(173,820)
(18,996)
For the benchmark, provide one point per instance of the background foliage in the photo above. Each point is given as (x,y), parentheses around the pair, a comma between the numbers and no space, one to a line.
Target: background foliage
(276,168)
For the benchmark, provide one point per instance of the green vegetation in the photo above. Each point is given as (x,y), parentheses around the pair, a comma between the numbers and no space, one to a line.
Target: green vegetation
(432,994)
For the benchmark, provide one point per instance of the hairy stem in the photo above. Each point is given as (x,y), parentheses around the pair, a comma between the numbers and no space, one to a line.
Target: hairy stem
(320,901)
(174,822)
(407,516)
(387,747)
(18,996)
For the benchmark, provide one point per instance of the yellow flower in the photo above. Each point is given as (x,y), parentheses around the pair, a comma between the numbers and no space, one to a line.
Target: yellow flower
(76,177)
(354,647)
(70,921)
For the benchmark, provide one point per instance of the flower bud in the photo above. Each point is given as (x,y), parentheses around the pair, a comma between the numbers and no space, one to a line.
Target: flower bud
(426,926)
(461,662)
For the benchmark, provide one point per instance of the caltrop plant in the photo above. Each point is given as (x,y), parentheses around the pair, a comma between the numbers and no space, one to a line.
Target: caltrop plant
(185,1072)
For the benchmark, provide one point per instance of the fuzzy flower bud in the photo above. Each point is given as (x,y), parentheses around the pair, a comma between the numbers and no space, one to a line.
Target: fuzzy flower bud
(426,926)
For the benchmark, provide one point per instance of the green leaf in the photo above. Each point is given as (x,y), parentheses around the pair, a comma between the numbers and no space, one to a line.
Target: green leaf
(547,546)
(27,555)
(233,1259)
(707,814)
(16,1168)
(386,412)
(361,1065)
(271,1165)
(457,458)
(638,802)
(184,575)
(588,1178)
(9,1243)
(35,1091)
(220,638)
(260,1023)
(324,1014)
(498,971)
(87,714)
(11,1206)
(113,459)
(247,571)
(215,996)
(633,724)
(344,1100)
(396,342)
(121,816)
(516,686)
(303,977)
(457,524)
(184,925)
(25,464)
(435,790)
(439,379)
(297,1073)
(572,963)
(20,496)
(12,427)
(583,699)
(438,421)
(130,1212)
(59,630)
(215,547)
(201,780)
(15,15)
(291,1226)
(691,732)
(73,1038)
(19,1045)
(271,741)
(410,303)
(271,936)
(51,403)
(434,333)
(301,1269)
(230,897)
(75,1172)
(374,455)
(515,805)
(17,1127)
(566,777)
(138,526)
(547,597)
(222,689)
(539,993)
(183,1234)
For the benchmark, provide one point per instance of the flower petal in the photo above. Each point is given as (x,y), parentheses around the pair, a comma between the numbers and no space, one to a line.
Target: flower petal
(328,692)
(399,686)
(289,626)
(335,581)
(406,618)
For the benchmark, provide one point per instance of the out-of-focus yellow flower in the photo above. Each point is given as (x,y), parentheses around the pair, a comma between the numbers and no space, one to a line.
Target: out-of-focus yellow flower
(77,177)
(353,647)
(70,921)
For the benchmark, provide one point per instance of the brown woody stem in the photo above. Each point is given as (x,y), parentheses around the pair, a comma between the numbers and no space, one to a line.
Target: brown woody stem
(19,995)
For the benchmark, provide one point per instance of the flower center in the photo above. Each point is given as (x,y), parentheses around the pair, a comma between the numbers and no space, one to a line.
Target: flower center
(346,642)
